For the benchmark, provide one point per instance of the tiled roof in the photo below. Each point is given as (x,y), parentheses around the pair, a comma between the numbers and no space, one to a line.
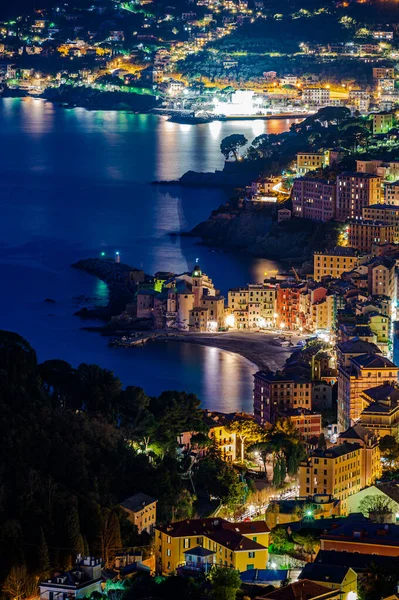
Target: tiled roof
(357,561)
(137,502)
(374,361)
(326,573)
(300,590)
(357,346)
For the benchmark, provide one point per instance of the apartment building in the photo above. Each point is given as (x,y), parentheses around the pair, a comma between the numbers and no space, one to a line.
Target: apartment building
(382,122)
(314,199)
(364,537)
(354,191)
(317,310)
(197,544)
(382,280)
(287,305)
(363,233)
(388,213)
(332,263)
(316,96)
(252,306)
(309,161)
(358,374)
(275,393)
(381,412)
(141,510)
(391,191)
(383,72)
(343,469)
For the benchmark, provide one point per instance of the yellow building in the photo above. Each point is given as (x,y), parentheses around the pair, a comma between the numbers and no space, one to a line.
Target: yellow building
(141,511)
(225,440)
(252,306)
(382,212)
(309,161)
(361,373)
(332,263)
(382,122)
(381,412)
(200,543)
(340,577)
(343,469)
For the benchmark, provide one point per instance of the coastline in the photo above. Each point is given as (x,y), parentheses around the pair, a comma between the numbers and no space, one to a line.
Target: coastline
(256,347)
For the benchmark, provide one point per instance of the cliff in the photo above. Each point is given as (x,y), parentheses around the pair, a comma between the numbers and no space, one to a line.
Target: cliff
(257,232)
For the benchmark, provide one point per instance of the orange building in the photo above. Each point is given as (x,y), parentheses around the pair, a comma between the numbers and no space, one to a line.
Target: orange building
(287,305)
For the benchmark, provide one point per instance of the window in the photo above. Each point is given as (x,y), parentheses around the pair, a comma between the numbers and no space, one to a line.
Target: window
(250,567)
(168,552)
(186,543)
(251,554)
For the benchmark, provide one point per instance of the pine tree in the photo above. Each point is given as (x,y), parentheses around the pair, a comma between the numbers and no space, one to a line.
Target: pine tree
(43,560)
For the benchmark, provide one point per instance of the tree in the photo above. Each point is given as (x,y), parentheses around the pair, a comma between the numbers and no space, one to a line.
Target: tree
(110,535)
(230,145)
(377,582)
(308,539)
(18,584)
(379,507)
(280,540)
(43,560)
(247,430)
(389,448)
(321,444)
(225,583)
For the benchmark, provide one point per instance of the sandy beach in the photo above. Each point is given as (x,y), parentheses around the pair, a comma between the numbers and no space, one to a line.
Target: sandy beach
(258,347)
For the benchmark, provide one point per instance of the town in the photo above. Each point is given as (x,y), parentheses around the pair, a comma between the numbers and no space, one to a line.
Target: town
(109,492)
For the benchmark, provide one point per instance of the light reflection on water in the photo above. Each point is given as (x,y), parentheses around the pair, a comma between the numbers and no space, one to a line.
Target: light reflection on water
(74,183)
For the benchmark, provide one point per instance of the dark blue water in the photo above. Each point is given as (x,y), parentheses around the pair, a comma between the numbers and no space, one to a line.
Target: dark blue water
(74,183)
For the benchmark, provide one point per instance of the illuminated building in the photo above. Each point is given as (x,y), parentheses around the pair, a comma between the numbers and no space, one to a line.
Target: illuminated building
(276,392)
(309,161)
(356,375)
(363,234)
(287,305)
(342,578)
(342,469)
(381,412)
(354,191)
(318,96)
(141,511)
(313,199)
(332,263)
(241,546)
(392,193)
(253,306)
(80,582)
(383,72)
(364,537)
(389,213)
(382,122)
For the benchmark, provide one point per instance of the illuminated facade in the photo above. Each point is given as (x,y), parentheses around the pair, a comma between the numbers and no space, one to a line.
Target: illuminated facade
(332,263)
(354,191)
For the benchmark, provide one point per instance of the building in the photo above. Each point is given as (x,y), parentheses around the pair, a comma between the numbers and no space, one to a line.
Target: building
(276,393)
(316,96)
(313,199)
(321,506)
(382,122)
(79,582)
(309,161)
(341,470)
(141,511)
(341,578)
(362,234)
(392,193)
(360,373)
(287,305)
(389,213)
(332,263)
(382,35)
(253,306)
(363,537)
(383,73)
(241,546)
(386,491)
(381,412)
(354,191)
(307,422)
(382,280)
(302,590)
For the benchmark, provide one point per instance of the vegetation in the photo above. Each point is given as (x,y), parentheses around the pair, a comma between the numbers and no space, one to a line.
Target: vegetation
(74,445)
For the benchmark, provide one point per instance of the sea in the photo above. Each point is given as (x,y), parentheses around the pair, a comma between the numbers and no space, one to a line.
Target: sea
(75,183)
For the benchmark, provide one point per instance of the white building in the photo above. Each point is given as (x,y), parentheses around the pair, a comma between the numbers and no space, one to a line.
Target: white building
(318,96)
(79,582)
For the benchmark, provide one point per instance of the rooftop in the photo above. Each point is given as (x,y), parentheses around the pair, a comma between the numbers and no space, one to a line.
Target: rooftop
(300,590)
(358,562)
(365,533)
(357,346)
(336,451)
(137,502)
(374,361)
(340,251)
(325,573)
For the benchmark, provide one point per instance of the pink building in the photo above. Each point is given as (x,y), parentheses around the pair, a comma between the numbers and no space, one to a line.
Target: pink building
(313,199)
